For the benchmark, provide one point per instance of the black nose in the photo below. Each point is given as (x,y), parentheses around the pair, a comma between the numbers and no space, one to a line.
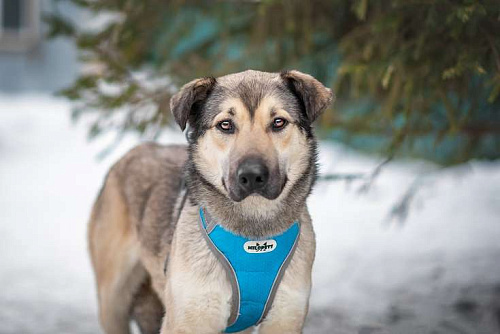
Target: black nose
(252,175)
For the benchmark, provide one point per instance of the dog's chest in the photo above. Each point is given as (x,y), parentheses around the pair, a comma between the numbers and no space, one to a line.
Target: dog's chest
(254,268)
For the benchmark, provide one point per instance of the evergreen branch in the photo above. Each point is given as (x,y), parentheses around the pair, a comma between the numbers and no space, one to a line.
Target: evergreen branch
(494,49)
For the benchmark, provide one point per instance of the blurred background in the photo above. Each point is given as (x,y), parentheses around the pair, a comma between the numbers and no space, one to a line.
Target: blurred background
(407,208)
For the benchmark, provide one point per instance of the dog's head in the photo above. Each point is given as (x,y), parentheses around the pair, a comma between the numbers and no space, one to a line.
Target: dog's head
(250,133)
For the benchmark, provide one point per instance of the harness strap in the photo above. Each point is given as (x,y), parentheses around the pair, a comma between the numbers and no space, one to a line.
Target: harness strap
(254,268)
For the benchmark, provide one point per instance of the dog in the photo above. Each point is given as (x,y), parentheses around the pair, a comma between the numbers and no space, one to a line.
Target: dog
(250,164)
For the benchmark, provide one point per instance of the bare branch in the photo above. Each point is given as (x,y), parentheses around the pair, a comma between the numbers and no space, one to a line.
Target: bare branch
(341,177)
(373,176)
(401,209)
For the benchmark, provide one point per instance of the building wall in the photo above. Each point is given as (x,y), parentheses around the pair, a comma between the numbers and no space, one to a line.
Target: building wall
(43,65)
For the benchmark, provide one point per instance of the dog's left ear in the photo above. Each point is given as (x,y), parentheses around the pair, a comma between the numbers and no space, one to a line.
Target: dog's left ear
(183,104)
(313,94)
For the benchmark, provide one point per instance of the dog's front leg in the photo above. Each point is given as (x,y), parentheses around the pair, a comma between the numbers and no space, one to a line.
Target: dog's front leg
(290,306)
(197,295)
(195,305)
(288,312)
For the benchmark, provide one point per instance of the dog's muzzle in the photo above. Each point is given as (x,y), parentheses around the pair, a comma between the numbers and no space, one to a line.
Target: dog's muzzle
(252,176)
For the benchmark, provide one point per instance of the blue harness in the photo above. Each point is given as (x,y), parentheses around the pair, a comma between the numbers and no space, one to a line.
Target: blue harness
(254,267)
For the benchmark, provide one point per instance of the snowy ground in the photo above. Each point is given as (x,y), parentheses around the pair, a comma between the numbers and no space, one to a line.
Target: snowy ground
(437,273)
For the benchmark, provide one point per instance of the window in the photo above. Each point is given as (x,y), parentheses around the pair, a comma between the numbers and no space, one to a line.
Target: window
(12,11)
(19,24)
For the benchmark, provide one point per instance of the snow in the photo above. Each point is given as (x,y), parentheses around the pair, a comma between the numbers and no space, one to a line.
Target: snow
(436,272)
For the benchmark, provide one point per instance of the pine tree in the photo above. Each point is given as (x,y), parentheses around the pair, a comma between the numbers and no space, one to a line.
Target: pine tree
(414,77)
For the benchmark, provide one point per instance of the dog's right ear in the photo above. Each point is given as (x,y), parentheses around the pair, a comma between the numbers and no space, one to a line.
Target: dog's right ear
(184,102)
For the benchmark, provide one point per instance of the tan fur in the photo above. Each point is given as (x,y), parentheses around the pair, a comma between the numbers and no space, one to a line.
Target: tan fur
(115,256)
(121,261)
(133,226)
(193,265)
(288,149)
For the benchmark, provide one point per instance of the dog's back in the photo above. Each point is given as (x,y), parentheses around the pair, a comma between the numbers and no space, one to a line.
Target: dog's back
(130,230)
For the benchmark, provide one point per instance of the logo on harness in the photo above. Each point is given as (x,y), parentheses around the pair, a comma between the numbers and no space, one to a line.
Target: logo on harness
(264,246)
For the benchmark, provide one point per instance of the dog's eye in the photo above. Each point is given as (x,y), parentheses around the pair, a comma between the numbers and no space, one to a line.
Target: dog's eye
(226,126)
(279,123)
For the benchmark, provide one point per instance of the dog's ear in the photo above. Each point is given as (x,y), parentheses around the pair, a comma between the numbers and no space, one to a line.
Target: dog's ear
(312,93)
(184,103)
